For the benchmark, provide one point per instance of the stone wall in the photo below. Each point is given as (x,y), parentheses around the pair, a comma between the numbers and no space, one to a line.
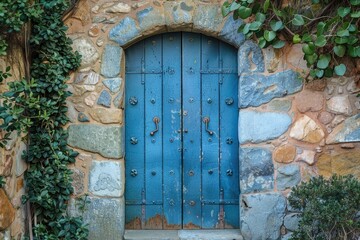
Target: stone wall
(288,131)
(12,168)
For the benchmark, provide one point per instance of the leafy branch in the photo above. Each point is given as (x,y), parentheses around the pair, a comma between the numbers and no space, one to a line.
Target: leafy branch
(328,30)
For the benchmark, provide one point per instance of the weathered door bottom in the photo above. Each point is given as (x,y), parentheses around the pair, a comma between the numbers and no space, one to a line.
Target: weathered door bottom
(229,234)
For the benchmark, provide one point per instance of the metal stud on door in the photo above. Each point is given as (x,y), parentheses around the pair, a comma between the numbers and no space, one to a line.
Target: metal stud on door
(181,131)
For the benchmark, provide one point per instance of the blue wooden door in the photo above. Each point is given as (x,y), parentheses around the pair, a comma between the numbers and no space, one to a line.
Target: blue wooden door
(181,133)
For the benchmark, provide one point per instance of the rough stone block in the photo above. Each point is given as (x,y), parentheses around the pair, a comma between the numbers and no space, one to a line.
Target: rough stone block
(291,221)
(87,50)
(339,104)
(307,130)
(21,165)
(110,64)
(104,99)
(279,105)
(261,215)
(256,170)
(125,32)
(178,13)
(288,176)
(113,84)
(105,140)
(106,217)
(78,177)
(249,55)
(256,89)
(207,18)
(7,211)
(348,131)
(150,18)
(106,179)
(256,127)
(230,34)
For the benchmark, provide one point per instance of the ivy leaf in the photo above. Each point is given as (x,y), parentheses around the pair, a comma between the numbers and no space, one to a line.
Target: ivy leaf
(266,5)
(319,73)
(355,14)
(352,40)
(340,70)
(320,41)
(254,26)
(225,9)
(341,40)
(323,61)
(262,42)
(343,33)
(269,35)
(234,6)
(355,2)
(320,28)
(298,20)
(311,58)
(260,17)
(244,12)
(306,38)
(339,50)
(353,51)
(308,49)
(343,11)
(246,28)
(276,25)
(296,39)
(278,44)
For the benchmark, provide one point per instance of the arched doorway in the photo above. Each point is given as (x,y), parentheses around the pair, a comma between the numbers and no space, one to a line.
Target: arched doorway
(181,133)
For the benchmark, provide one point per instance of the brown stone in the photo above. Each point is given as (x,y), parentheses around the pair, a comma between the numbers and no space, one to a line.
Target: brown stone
(307,130)
(82,12)
(5,170)
(309,101)
(106,115)
(285,154)
(325,117)
(7,211)
(94,31)
(317,85)
(343,163)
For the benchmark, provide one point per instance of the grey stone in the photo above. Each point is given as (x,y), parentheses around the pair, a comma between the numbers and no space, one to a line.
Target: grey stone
(288,176)
(82,117)
(178,13)
(348,131)
(286,236)
(118,100)
(104,99)
(339,104)
(256,89)
(71,112)
(124,32)
(78,181)
(98,19)
(12,140)
(291,221)
(106,217)
(88,78)
(250,54)
(150,18)
(207,18)
(106,179)
(105,140)
(255,127)
(230,34)
(279,105)
(21,165)
(113,84)
(110,64)
(87,50)
(256,170)
(261,215)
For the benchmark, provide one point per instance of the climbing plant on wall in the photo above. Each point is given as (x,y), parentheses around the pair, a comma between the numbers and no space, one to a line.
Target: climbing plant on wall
(36,106)
(328,29)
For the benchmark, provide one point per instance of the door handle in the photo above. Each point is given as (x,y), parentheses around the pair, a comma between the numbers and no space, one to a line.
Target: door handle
(206,120)
(156,120)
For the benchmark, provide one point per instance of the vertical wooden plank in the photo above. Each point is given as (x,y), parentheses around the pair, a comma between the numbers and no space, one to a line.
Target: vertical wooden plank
(229,141)
(153,143)
(210,140)
(171,125)
(191,123)
(134,137)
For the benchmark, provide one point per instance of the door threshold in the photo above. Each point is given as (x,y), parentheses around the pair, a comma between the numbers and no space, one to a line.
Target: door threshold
(227,234)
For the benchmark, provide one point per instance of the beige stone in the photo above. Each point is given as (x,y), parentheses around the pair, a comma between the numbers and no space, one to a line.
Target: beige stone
(309,101)
(285,154)
(6,166)
(106,115)
(7,211)
(90,100)
(307,130)
(307,156)
(119,8)
(343,163)
(94,31)
(339,104)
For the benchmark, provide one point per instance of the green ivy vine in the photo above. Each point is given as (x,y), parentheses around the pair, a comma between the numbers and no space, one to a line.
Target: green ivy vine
(36,106)
(328,29)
